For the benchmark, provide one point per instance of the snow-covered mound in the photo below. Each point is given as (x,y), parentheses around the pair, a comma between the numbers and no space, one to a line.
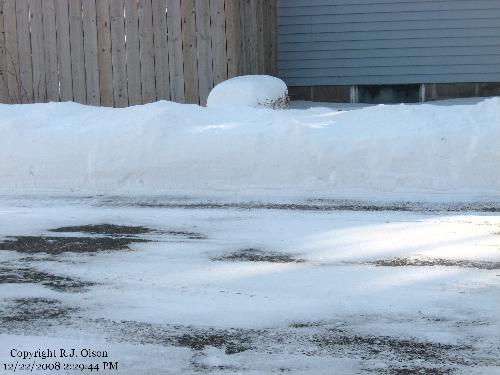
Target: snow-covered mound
(392,149)
(249,91)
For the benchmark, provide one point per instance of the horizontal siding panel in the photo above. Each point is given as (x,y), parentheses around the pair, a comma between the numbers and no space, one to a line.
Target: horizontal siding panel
(391,70)
(390,44)
(391,17)
(367,54)
(469,24)
(315,3)
(340,62)
(393,79)
(346,42)
(389,35)
(308,10)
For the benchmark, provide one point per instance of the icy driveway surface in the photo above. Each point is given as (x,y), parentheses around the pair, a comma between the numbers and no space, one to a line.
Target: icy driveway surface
(179,289)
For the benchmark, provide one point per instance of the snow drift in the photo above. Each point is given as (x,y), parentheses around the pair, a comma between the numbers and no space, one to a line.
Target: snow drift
(394,149)
(249,91)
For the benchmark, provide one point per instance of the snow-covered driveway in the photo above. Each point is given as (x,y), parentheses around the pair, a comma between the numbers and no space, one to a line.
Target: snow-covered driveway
(190,287)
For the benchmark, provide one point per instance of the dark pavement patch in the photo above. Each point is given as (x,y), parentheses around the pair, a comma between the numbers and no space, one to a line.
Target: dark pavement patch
(106,229)
(231,340)
(305,205)
(13,275)
(113,230)
(402,355)
(256,255)
(430,262)
(33,309)
(187,234)
(417,370)
(58,245)
(409,349)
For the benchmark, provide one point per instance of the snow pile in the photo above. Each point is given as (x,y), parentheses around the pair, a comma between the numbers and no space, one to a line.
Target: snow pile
(398,150)
(249,91)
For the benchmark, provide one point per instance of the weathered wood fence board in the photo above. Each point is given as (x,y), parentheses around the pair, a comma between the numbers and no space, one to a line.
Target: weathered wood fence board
(63,50)
(147,51)
(50,48)
(133,52)
(219,43)
(77,52)
(37,51)
(128,52)
(189,52)
(175,61)
(89,18)
(161,49)
(104,46)
(4,88)
(118,53)
(204,48)
(24,48)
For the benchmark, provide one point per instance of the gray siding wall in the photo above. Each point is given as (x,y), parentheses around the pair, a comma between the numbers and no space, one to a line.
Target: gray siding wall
(349,42)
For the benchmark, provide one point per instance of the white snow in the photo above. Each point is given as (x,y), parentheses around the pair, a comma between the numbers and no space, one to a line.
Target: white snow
(423,151)
(246,177)
(248,91)
(173,284)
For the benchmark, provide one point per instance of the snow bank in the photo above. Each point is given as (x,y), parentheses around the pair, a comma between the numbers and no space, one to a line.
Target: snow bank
(249,91)
(387,149)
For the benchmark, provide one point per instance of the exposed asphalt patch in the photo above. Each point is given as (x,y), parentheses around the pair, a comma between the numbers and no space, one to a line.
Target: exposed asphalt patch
(125,230)
(305,205)
(313,339)
(33,309)
(333,340)
(256,255)
(13,275)
(402,355)
(231,340)
(106,229)
(58,245)
(189,235)
(417,370)
(430,262)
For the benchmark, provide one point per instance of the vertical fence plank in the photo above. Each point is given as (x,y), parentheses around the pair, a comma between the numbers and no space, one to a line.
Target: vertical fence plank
(260,51)
(4,88)
(50,49)
(246,43)
(189,51)
(147,51)
(272,29)
(91,52)
(266,21)
(161,49)
(37,51)
(63,50)
(253,34)
(175,59)
(118,54)
(218,34)
(204,49)
(24,48)
(11,51)
(133,53)
(233,34)
(104,46)
(77,52)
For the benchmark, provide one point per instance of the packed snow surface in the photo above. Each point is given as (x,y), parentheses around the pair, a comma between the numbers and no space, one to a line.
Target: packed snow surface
(331,292)
(400,151)
(248,91)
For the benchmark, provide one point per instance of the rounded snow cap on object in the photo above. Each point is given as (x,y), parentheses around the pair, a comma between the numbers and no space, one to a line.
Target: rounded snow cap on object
(249,91)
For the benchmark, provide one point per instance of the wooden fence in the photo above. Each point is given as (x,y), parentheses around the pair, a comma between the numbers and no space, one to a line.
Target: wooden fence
(127,52)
